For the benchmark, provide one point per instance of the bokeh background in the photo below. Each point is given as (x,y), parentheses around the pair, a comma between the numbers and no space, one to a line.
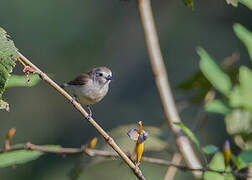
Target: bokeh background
(65,38)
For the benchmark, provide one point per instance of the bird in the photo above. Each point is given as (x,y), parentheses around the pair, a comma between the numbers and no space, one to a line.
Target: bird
(90,88)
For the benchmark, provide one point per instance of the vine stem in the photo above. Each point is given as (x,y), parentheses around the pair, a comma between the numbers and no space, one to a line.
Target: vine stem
(161,79)
(78,106)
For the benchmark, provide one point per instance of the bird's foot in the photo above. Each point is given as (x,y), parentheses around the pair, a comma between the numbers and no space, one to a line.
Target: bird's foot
(89,116)
(73,99)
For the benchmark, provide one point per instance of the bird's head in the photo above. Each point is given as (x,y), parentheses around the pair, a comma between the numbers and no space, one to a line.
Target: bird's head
(102,75)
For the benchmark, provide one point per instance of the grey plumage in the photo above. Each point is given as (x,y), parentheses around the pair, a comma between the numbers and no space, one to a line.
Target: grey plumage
(91,87)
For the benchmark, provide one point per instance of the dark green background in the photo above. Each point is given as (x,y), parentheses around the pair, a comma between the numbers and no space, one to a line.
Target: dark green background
(65,38)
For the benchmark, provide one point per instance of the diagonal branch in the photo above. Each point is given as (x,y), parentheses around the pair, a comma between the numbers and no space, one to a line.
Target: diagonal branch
(77,106)
(161,78)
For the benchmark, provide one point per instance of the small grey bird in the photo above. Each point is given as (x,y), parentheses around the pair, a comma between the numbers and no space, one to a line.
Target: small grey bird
(91,87)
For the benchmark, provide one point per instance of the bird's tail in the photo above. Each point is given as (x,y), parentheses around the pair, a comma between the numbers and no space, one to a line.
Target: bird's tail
(64,85)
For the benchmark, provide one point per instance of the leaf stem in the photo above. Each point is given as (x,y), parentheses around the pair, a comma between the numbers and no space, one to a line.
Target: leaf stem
(21,62)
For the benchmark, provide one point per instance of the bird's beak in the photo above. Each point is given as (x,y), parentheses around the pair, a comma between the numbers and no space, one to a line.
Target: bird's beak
(109,78)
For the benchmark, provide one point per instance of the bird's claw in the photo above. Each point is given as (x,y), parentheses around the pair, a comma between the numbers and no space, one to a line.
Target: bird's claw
(89,116)
(73,99)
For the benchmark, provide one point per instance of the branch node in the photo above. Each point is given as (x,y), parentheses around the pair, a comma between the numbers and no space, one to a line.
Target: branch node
(28,146)
(109,140)
(42,76)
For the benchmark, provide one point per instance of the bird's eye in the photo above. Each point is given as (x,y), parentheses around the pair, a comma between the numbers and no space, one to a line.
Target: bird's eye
(99,74)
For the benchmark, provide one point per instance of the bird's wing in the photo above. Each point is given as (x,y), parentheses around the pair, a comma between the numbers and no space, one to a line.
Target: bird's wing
(80,80)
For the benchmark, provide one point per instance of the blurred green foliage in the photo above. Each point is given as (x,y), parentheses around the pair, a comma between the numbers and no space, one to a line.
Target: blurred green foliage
(235,104)
(189,133)
(246,156)
(238,122)
(234,3)
(217,163)
(213,73)
(16,157)
(217,106)
(23,81)
(241,94)
(189,3)
(210,149)
(245,36)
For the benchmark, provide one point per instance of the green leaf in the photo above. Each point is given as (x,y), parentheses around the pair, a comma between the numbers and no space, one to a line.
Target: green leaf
(241,95)
(8,55)
(189,4)
(217,163)
(213,72)
(239,121)
(21,81)
(189,133)
(234,3)
(246,156)
(18,157)
(217,106)
(21,156)
(210,149)
(244,35)
(239,163)
(247,3)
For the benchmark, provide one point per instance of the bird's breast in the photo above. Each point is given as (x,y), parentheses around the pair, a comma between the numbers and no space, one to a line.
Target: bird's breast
(90,94)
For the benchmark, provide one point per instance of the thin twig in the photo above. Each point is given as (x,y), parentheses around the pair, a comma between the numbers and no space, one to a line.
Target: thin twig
(108,154)
(78,106)
(160,75)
